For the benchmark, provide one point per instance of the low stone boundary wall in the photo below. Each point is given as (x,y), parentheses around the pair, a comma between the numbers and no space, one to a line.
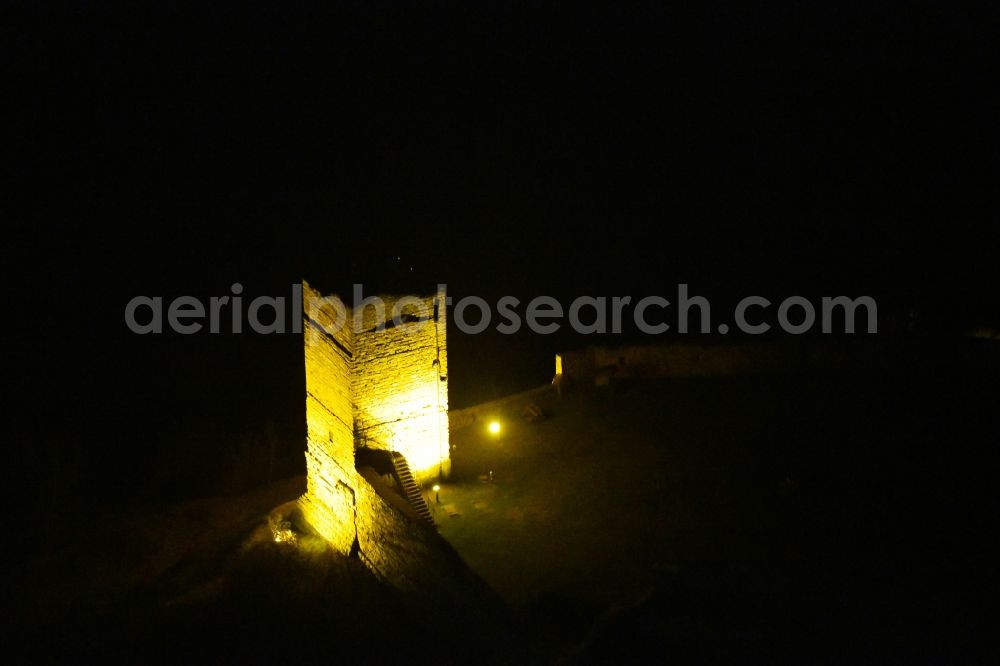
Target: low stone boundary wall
(507,407)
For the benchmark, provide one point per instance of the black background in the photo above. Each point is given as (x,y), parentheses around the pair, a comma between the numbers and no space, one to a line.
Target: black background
(742,148)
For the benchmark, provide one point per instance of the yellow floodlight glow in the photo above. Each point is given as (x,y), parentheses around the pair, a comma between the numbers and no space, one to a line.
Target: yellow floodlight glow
(494,427)
(436,487)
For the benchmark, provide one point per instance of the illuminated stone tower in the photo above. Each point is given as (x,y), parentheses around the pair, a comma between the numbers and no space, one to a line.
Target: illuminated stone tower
(399,384)
(375,379)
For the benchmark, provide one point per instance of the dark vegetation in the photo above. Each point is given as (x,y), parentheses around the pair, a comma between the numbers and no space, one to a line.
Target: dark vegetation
(812,517)
(204,580)
(838,517)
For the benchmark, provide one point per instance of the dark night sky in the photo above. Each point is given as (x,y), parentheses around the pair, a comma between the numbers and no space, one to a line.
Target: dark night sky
(759,148)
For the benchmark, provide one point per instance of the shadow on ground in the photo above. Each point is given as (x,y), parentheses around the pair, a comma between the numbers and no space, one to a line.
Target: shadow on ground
(817,517)
(805,518)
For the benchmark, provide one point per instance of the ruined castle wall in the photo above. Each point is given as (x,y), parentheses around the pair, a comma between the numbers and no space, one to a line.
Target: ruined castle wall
(388,381)
(398,548)
(400,382)
(716,359)
(329,502)
(507,407)
(602,364)
(685,360)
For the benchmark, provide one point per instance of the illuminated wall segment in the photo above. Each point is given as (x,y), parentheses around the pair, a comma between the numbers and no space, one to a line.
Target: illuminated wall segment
(375,385)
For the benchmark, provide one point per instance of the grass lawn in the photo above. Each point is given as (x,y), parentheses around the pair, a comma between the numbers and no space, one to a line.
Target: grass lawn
(803,518)
(768,516)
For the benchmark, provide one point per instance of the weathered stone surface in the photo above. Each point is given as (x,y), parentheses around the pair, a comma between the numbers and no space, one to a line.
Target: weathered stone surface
(383,387)
(400,383)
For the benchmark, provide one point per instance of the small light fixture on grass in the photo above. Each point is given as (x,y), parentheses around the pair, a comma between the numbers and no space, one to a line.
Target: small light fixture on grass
(494,428)
(437,493)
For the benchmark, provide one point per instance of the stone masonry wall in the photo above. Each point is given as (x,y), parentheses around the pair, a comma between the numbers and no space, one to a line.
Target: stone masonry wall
(600,365)
(345,387)
(400,382)
(507,407)
(330,499)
